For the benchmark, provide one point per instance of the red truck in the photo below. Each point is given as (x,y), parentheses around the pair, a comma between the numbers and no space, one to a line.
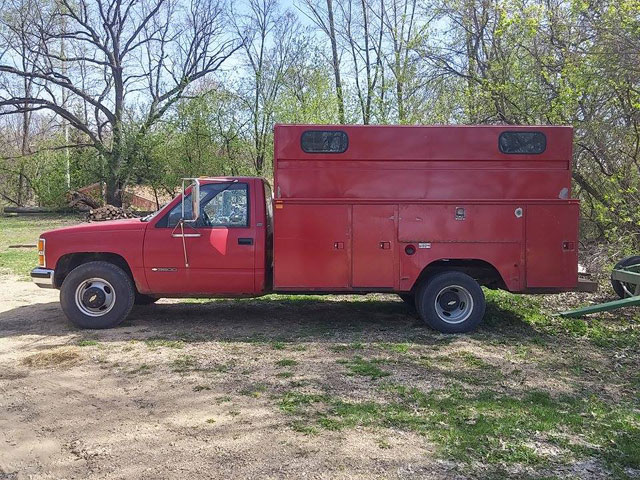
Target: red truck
(431,213)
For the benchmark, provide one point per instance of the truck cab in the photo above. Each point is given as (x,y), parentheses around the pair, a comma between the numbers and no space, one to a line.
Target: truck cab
(430,213)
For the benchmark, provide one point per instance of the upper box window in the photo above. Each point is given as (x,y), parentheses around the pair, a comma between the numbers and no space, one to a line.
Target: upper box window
(324,141)
(522,142)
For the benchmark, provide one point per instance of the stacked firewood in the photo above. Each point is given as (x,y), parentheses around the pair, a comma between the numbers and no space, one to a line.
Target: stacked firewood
(108,212)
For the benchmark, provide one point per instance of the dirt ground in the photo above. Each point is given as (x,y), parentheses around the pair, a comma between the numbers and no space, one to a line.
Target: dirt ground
(194,390)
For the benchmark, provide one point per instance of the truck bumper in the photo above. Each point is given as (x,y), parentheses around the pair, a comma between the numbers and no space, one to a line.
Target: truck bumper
(43,277)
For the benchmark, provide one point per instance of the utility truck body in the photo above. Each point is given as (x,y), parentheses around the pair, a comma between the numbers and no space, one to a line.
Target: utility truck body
(430,213)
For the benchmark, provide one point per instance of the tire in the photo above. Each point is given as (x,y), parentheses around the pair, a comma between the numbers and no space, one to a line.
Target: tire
(624,290)
(142,299)
(97,295)
(451,302)
(409,299)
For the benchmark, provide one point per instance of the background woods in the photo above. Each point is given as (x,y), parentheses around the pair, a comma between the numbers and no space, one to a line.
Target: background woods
(126,93)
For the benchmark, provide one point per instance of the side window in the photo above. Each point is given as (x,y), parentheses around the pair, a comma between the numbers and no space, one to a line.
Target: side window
(227,208)
(522,142)
(324,141)
(221,205)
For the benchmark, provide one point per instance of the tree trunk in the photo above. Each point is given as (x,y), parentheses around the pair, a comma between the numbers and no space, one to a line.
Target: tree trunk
(114,191)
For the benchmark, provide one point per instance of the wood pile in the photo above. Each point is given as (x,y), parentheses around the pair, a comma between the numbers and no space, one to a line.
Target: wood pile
(108,212)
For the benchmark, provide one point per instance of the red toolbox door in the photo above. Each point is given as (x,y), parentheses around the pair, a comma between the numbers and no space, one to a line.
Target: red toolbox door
(311,247)
(374,246)
(552,245)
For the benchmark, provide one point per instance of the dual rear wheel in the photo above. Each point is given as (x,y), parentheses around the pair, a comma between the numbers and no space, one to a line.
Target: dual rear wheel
(450,302)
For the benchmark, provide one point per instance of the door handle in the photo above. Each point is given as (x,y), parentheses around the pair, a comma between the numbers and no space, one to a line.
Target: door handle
(338,245)
(385,245)
(186,235)
(245,241)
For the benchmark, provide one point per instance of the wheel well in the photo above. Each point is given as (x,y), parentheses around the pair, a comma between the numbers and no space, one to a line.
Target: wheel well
(68,262)
(480,270)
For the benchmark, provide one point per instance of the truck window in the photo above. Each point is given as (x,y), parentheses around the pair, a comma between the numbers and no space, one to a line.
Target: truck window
(324,141)
(221,205)
(522,142)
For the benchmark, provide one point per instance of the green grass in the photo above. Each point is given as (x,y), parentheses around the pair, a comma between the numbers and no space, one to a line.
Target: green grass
(504,309)
(486,426)
(287,362)
(157,342)
(365,368)
(25,230)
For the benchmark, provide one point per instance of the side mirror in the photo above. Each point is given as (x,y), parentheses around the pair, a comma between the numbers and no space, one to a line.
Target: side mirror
(195,200)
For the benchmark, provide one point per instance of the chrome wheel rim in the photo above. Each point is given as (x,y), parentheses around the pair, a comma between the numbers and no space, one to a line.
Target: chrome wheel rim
(453,304)
(95,297)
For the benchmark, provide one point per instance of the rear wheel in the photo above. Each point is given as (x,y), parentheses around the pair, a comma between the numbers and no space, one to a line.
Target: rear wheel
(622,289)
(97,295)
(451,302)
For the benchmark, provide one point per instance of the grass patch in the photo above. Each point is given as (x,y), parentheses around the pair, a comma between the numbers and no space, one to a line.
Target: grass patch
(87,342)
(485,426)
(25,231)
(18,262)
(255,390)
(63,356)
(395,347)
(184,363)
(201,388)
(365,368)
(287,362)
(286,374)
(504,309)
(156,342)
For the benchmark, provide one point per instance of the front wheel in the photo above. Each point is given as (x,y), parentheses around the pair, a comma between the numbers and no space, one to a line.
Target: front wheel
(97,295)
(451,302)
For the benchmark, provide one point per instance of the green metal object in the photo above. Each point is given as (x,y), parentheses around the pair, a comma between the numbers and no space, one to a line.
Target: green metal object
(602,307)
(630,277)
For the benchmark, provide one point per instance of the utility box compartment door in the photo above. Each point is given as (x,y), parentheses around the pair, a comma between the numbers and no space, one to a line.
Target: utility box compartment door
(552,245)
(312,246)
(374,246)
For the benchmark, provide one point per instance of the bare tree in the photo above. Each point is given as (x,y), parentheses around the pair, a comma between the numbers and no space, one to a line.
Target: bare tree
(364,41)
(324,19)
(119,54)
(273,42)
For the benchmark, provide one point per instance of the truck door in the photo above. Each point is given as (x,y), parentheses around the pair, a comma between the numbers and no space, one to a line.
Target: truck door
(220,248)
(374,234)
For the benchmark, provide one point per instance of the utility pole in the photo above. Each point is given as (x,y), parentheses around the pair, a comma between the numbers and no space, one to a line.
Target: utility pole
(65,123)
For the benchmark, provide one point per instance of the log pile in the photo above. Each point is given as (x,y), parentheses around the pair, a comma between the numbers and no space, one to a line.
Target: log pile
(108,212)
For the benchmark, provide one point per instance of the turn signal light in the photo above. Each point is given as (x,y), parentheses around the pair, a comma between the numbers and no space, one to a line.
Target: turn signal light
(41,259)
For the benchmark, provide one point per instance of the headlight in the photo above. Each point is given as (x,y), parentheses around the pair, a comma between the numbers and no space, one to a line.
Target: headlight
(41,258)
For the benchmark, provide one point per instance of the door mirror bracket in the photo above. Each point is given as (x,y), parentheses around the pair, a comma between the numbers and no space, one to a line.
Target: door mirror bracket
(194,183)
